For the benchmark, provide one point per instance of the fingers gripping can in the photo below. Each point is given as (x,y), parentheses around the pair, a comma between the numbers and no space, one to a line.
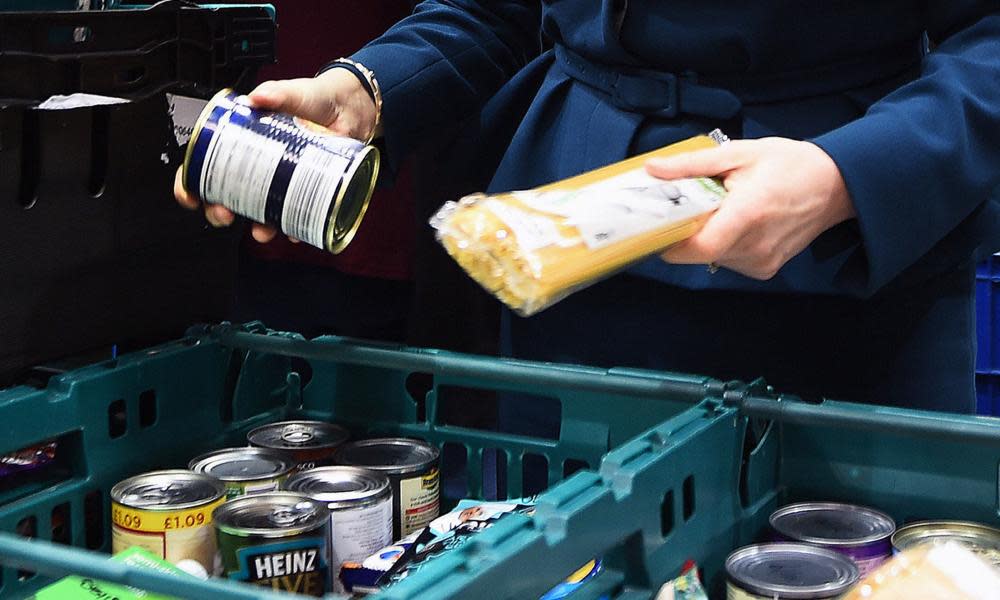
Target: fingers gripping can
(273,168)
(360,504)
(412,468)
(277,540)
(168,513)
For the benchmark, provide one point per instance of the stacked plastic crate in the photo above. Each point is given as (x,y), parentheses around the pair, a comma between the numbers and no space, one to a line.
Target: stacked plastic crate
(988,336)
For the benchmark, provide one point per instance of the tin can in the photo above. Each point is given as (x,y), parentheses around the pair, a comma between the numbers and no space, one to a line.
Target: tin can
(360,504)
(168,513)
(862,534)
(245,471)
(273,168)
(785,571)
(310,444)
(277,540)
(412,468)
(982,540)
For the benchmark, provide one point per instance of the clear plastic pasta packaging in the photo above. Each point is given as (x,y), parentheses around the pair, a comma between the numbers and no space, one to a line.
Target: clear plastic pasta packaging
(948,571)
(533,248)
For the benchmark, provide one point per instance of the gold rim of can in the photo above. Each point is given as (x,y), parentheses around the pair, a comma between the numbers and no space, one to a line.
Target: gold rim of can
(925,531)
(196,131)
(337,240)
(121,489)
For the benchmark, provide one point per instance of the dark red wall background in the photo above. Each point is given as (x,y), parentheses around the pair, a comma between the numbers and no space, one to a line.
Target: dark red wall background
(311,33)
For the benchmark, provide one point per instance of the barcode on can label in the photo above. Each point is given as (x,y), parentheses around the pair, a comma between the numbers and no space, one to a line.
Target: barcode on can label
(239,167)
(311,191)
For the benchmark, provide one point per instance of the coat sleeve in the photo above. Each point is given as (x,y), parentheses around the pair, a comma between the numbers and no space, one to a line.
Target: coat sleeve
(926,156)
(441,64)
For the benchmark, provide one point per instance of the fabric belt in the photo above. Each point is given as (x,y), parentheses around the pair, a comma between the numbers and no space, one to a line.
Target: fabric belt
(665,94)
(653,93)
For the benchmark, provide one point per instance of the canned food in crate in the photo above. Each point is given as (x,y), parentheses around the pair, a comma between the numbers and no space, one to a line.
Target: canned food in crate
(860,533)
(309,443)
(360,504)
(245,470)
(168,513)
(277,540)
(786,571)
(980,539)
(273,168)
(412,468)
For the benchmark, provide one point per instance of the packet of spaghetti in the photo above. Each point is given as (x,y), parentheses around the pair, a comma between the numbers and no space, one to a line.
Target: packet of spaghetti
(533,248)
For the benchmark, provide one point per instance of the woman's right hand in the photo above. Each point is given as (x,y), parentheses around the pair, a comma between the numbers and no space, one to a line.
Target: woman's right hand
(335,99)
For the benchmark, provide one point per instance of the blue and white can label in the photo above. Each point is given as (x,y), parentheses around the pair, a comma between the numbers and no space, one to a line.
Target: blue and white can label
(273,168)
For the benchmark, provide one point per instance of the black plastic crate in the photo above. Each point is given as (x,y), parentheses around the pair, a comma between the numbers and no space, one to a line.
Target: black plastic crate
(94,251)
(133,52)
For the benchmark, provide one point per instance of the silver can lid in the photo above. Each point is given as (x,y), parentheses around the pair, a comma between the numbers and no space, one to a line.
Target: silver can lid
(275,514)
(980,539)
(832,523)
(393,456)
(296,435)
(340,487)
(167,490)
(792,571)
(242,464)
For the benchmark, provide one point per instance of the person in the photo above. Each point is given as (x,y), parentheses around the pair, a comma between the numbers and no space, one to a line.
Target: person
(861,177)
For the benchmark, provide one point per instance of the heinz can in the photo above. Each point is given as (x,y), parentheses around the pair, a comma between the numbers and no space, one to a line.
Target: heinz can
(273,168)
(168,513)
(360,504)
(245,471)
(860,533)
(788,571)
(982,540)
(412,468)
(310,444)
(277,540)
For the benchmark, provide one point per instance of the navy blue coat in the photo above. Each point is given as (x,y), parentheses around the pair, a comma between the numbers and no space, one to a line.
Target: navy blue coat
(916,135)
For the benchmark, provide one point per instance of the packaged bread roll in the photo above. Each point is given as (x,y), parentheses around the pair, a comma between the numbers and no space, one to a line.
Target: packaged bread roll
(931,572)
(532,248)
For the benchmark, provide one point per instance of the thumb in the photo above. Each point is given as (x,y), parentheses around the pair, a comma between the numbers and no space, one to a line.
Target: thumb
(700,163)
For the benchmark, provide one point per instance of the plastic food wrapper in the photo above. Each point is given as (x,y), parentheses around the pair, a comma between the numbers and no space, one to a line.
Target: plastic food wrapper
(687,586)
(931,572)
(27,459)
(533,248)
(395,562)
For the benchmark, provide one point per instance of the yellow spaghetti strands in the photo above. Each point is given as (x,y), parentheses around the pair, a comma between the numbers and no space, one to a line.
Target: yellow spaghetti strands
(532,248)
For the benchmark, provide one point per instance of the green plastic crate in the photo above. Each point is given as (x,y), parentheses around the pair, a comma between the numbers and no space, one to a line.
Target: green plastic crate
(683,467)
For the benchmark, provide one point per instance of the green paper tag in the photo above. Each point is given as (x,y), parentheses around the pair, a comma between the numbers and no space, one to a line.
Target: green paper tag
(74,587)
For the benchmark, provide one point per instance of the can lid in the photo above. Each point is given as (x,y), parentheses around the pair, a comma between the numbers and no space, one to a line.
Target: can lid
(167,490)
(349,207)
(980,539)
(393,456)
(293,435)
(242,464)
(340,487)
(275,514)
(792,571)
(832,523)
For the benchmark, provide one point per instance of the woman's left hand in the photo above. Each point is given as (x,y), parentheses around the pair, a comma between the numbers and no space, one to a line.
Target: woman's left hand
(782,194)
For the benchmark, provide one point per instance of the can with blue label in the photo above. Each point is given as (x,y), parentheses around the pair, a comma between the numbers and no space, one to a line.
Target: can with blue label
(273,168)
(278,540)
